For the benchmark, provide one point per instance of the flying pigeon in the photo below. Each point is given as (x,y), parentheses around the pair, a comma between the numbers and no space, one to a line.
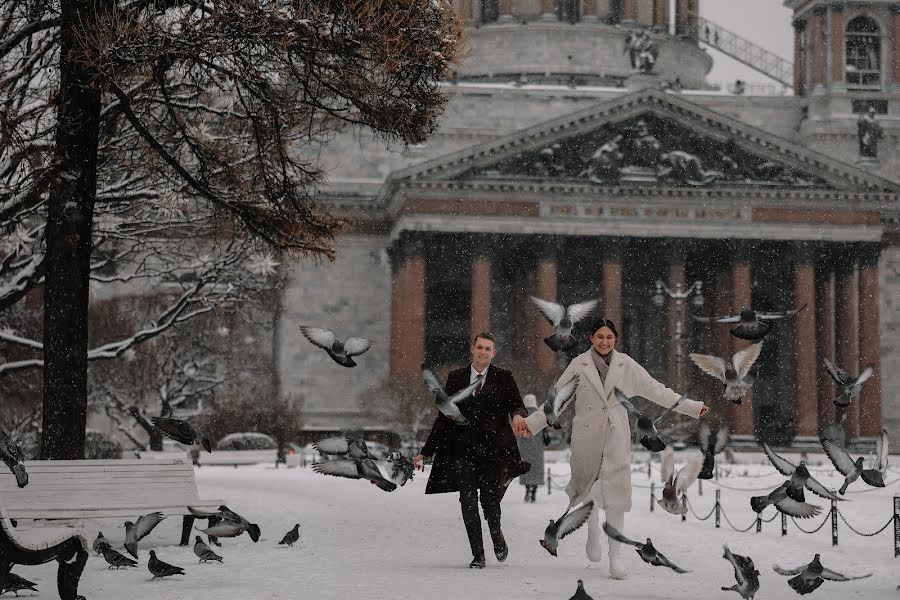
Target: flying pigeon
(115,558)
(340,352)
(447,404)
(563,319)
(387,474)
(710,445)
(99,543)
(343,445)
(675,485)
(645,425)
(181,431)
(11,454)
(292,536)
(853,470)
(162,569)
(800,477)
(135,532)
(580,594)
(15,583)
(782,501)
(745,574)
(754,325)
(226,523)
(646,551)
(204,552)
(736,375)
(851,385)
(563,526)
(558,400)
(807,578)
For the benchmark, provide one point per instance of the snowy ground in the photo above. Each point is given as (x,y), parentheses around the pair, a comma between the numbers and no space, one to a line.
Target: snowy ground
(360,543)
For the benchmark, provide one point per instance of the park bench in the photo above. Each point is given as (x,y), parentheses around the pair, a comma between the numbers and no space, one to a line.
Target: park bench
(233,458)
(98,489)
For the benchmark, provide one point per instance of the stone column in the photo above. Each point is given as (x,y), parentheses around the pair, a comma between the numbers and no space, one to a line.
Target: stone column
(846,338)
(481,295)
(676,313)
(805,345)
(602,9)
(612,283)
(681,17)
(589,11)
(629,11)
(408,313)
(799,58)
(837,43)
(741,296)
(548,10)
(818,40)
(895,46)
(661,14)
(825,345)
(505,7)
(869,342)
(544,288)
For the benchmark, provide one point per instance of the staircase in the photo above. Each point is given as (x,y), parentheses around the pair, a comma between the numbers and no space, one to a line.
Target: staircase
(743,50)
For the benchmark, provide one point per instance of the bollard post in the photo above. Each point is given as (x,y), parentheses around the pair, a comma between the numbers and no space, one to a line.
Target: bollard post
(834,516)
(684,501)
(896,526)
(549,484)
(717,472)
(700,487)
(650,468)
(652,495)
(758,522)
(783,524)
(718,507)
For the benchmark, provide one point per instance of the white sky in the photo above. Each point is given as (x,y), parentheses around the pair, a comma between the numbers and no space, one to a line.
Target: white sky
(764,22)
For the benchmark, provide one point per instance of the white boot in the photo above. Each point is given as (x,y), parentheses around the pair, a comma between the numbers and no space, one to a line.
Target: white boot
(593,549)
(616,564)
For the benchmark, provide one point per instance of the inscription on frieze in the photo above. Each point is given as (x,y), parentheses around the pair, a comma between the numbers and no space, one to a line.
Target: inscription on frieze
(633,212)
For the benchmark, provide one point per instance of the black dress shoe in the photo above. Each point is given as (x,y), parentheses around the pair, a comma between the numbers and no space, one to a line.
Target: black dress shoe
(501,550)
(477,563)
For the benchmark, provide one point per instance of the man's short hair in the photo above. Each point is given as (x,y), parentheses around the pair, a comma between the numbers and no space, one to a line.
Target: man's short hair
(485,335)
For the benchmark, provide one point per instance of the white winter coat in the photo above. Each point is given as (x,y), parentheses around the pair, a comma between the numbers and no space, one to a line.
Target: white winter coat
(601,437)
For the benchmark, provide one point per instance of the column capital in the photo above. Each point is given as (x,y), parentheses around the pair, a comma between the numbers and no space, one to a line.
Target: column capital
(799,24)
(895,9)
(838,6)
(869,253)
(819,11)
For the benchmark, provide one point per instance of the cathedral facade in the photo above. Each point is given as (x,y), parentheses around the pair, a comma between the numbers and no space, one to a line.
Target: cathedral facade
(583,155)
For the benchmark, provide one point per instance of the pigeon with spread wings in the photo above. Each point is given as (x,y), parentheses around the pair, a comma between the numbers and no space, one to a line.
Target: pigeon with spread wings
(745,574)
(387,474)
(563,319)
(645,425)
(807,578)
(852,385)
(341,352)
(447,405)
(558,400)
(135,532)
(563,526)
(800,477)
(181,431)
(752,325)
(854,469)
(676,484)
(648,553)
(736,375)
(710,445)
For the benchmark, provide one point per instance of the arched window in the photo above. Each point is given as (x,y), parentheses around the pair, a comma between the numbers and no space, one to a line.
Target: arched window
(863,53)
(490,10)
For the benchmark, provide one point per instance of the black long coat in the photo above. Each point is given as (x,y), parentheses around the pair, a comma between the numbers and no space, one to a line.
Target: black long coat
(488,438)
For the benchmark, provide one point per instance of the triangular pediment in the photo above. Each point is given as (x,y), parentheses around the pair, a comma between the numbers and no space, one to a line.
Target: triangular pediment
(649,138)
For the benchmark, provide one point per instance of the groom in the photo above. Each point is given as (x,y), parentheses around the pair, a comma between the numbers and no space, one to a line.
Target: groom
(482,457)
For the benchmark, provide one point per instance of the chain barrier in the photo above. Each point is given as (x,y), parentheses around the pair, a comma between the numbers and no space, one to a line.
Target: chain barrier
(696,516)
(730,524)
(821,525)
(857,532)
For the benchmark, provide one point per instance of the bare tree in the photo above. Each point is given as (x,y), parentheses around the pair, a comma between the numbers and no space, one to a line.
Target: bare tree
(214,104)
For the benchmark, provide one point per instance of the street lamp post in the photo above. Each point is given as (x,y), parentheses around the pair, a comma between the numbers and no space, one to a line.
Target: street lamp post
(680,296)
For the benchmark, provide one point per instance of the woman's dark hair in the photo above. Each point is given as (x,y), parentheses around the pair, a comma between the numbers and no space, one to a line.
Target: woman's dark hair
(597,324)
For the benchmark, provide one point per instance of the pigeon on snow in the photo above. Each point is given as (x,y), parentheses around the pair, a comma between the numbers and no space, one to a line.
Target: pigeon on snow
(181,431)
(852,385)
(854,469)
(807,578)
(563,319)
(736,375)
(676,484)
(162,569)
(447,404)
(580,594)
(648,553)
(135,532)
(115,558)
(292,536)
(16,583)
(99,543)
(646,426)
(204,552)
(753,325)
(341,352)
(563,526)
(745,574)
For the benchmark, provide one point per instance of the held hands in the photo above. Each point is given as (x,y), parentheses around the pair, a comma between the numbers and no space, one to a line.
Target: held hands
(520,427)
(704,410)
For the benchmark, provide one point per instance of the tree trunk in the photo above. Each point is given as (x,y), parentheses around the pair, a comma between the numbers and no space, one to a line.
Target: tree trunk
(70,216)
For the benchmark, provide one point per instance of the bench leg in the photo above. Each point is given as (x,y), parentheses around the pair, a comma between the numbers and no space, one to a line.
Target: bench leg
(71,564)
(186,525)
